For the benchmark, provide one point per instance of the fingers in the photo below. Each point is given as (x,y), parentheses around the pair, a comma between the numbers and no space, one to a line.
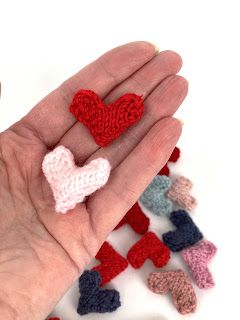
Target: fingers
(141,82)
(51,119)
(131,177)
(162,102)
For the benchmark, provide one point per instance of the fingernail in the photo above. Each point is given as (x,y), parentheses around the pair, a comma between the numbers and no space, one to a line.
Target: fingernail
(181,121)
(157,50)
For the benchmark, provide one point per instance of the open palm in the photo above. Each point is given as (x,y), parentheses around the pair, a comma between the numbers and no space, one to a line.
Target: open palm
(41,252)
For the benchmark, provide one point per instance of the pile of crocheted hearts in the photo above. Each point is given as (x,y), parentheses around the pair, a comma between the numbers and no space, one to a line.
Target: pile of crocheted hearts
(162,196)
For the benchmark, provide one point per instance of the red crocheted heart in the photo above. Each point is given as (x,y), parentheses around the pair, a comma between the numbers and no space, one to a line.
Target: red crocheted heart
(106,122)
(136,219)
(148,247)
(112,263)
(173,158)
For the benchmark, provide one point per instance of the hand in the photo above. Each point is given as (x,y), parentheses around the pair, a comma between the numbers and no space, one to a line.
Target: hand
(41,252)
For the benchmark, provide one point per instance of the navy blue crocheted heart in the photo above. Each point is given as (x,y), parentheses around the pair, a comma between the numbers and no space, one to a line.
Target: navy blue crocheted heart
(94,299)
(186,235)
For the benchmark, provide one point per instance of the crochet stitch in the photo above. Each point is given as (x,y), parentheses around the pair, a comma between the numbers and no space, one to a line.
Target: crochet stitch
(136,219)
(178,283)
(94,299)
(179,192)
(197,259)
(154,199)
(148,247)
(112,263)
(71,184)
(173,158)
(106,122)
(186,235)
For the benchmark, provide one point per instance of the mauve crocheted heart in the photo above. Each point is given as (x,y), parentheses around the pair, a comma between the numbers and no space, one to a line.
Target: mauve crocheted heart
(178,283)
(106,122)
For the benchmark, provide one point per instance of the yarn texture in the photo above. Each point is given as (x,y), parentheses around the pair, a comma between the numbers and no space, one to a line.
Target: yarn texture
(197,259)
(180,193)
(106,122)
(173,158)
(71,184)
(154,199)
(94,299)
(178,283)
(148,247)
(186,234)
(136,219)
(112,263)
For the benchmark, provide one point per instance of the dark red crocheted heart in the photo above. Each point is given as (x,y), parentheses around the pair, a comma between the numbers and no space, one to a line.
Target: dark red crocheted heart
(149,247)
(106,122)
(112,263)
(173,158)
(136,219)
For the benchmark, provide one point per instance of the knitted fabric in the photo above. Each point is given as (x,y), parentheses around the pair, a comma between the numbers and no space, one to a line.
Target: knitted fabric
(71,184)
(148,247)
(154,199)
(197,259)
(179,192)
(112,263)
(178,283)
(186,235)
(136,219)
(106,122)
(173,158)
(94,299)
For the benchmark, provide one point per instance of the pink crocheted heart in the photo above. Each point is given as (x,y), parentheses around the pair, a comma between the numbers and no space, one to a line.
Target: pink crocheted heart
(197,259)
(180,193)
(71,184)
(178,283)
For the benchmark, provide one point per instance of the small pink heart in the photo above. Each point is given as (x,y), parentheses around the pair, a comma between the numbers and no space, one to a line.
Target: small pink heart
(178,283)
(71,184)
(180,193)
(197,259)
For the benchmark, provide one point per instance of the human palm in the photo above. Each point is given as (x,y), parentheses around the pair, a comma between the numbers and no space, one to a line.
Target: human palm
(42,252)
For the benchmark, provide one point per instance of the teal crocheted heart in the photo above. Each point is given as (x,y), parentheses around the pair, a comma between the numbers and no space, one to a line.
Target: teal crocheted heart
(153,198)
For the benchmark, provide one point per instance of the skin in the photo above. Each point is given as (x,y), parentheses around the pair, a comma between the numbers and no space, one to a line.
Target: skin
(42,253)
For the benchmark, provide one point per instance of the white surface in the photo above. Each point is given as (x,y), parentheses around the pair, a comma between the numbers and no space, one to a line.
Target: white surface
(44,42)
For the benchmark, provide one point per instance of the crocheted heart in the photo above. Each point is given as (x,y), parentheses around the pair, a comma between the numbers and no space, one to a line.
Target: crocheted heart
(154,199)
(94,299)
(180,193)
(197,259)
(136,219)
(71,184)
(178,283)
(112,263)
(186,235)
(148,247)
(173,158)
(106,122)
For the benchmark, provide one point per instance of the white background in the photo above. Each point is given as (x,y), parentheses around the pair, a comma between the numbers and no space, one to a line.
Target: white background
(44,42)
